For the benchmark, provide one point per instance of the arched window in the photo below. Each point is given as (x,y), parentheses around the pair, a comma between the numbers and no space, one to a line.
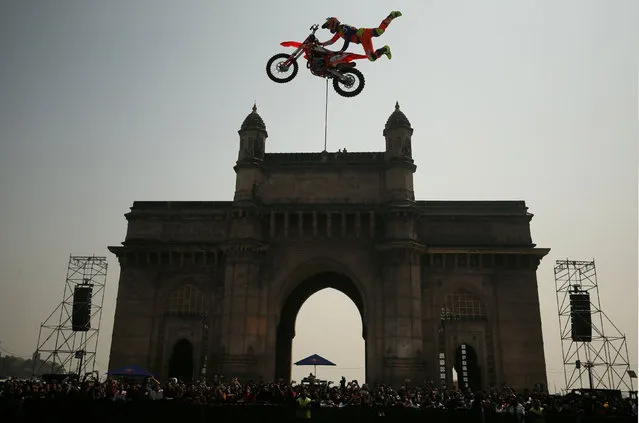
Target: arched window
(187,299)
(463,305)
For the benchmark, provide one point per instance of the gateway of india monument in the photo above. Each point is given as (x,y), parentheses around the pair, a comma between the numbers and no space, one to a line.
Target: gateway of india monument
(214,287)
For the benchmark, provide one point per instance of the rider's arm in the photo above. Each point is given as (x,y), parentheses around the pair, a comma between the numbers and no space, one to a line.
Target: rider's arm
(331,41)
(345,46)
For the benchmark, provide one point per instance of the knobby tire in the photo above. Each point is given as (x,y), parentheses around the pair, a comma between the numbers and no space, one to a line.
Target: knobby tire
(274,78)
(358,76)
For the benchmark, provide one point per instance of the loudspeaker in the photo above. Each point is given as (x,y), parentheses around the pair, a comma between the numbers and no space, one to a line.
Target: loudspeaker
(580,317)
(81,317)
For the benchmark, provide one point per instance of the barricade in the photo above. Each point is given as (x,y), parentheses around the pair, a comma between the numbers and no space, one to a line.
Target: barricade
(98,411)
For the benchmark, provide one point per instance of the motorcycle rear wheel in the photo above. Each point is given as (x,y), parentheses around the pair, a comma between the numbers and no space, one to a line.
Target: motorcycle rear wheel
(346,90)
(278,60)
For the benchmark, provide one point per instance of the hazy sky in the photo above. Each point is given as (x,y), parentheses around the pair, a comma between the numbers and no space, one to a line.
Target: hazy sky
(104,103)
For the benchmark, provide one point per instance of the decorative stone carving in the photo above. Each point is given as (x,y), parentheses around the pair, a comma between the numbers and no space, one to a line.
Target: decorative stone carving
(257,266)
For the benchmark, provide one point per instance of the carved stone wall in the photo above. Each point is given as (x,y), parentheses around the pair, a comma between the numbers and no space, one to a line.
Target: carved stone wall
(353,178)
(446,223)
(246,288)
(301,222)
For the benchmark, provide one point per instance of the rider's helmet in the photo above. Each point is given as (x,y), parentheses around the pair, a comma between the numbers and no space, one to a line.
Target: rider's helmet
(331,24)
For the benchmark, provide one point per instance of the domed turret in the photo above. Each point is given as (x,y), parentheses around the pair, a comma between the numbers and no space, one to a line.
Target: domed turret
(253,121)
(399,156)
(398,133)
(252,137)
(397,119)
(251,153)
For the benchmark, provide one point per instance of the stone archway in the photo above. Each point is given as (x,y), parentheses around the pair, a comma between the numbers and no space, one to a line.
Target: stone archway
(464,319)
(181,361)
(467,368)
(291,307)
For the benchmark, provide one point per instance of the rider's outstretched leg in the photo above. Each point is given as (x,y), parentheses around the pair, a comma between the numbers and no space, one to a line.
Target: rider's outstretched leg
(383,51)
(374,55)
(382,26)
(365,36)
(366,39)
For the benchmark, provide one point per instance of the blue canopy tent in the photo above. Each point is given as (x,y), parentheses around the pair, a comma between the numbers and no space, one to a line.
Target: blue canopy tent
(133,371)
(314,360)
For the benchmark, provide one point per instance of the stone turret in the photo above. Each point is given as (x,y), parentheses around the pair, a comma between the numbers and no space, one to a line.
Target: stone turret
(251,153)
(399,258)
(399,157)
(398,133)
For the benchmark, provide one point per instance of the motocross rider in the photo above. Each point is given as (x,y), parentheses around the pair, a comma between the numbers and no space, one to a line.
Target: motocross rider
(362,36)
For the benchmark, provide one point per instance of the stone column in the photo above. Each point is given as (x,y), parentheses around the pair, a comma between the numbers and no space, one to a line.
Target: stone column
(134,315)
(403,358)
(519,322)
(243,316)
(431,326)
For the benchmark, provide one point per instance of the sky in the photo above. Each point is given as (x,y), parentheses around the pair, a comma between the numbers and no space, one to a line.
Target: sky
(106,103)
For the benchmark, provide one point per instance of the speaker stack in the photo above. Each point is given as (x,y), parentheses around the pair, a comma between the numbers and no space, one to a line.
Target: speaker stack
(580,316)
(81,317)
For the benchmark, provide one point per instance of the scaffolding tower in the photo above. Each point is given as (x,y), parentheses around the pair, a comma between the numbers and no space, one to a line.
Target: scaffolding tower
(63,347)
(595,353)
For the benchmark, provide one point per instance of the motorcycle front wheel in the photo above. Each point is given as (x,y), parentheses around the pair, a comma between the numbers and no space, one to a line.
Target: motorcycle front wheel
(353,84)
(277,72)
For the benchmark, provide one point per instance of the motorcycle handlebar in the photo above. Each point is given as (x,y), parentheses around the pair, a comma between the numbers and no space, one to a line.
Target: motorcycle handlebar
(314,28)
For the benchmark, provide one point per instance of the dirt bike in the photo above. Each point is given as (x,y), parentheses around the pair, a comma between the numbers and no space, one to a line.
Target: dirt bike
(347,81)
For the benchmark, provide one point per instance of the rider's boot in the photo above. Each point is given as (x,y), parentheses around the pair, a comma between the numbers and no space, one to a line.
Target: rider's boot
(385,50)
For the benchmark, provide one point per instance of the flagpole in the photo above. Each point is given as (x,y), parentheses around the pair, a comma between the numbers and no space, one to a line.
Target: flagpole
(326,116)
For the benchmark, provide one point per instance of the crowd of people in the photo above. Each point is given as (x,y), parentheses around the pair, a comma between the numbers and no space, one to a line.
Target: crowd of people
(312,394)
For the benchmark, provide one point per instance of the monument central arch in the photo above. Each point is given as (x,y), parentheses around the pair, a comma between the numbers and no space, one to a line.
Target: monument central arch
(358,208)
(291,305)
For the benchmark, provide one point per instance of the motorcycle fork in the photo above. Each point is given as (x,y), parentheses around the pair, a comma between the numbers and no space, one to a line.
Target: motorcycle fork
(293,57)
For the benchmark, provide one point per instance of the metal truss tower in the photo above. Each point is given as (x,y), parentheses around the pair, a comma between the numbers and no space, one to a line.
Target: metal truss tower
(595,353)
(62,346)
